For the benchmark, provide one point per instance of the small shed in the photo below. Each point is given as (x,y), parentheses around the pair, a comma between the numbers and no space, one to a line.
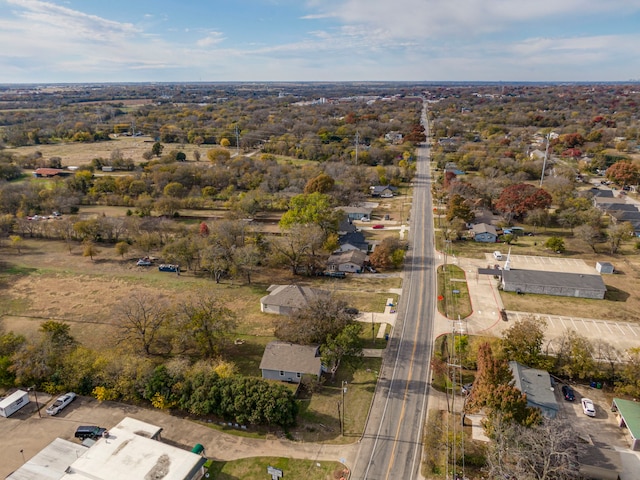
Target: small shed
(604,267)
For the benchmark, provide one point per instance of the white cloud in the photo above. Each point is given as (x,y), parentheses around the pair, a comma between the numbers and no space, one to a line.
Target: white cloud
(461,18)
(212,38)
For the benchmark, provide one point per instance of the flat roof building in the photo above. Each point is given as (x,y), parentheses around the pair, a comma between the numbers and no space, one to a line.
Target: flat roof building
(130,452)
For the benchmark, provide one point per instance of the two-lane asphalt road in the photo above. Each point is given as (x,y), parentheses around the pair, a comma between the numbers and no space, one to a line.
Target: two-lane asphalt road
(391,446)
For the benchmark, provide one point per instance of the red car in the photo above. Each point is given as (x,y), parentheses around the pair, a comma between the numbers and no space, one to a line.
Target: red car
(378,226)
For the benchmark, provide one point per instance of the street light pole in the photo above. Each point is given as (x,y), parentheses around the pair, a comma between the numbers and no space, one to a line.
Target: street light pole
(344,407)
(35,393)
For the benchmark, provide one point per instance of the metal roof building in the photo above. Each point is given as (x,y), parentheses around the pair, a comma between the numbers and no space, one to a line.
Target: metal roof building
(628,414)
(554,283)
(536,384)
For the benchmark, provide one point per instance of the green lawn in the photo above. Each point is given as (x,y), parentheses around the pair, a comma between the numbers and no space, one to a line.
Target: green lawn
(453,293)
(318,418)
(255,468)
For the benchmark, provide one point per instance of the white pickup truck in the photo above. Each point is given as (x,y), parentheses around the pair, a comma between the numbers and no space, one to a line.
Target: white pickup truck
(61,402)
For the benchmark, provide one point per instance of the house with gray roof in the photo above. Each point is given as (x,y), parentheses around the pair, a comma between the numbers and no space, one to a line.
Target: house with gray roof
(564,284)
(285,299)
(483,232)
(349,261)
(384,191)
(353,241)
(357,212)
(288,362)
(536,385)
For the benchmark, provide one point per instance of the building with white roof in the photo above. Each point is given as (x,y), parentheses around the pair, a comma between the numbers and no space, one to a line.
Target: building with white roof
(131,451)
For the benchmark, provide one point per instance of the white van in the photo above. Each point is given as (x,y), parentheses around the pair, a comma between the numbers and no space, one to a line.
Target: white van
(497,255)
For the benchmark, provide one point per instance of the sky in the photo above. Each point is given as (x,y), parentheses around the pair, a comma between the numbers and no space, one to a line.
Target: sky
(77,41)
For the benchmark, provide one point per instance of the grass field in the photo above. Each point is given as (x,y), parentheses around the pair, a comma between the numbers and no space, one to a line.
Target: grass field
(255,469)
(453,293)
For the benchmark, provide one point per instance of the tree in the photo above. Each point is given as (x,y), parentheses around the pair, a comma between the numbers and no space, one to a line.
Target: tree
(183,251)
(322,317)
(459,208)
(204,320)
(157,149)
(523,341)
(617,233)
(247,258)
(547,451)
(624,173)
(89,249)
(386,253)
(346,343)
(321,184)
(296,247)
(494,392)
(122,248)
(579,362)
(629,383)
(589,235)
(555,244)
(140,319)
(16,242)
(516,200)
(309,209)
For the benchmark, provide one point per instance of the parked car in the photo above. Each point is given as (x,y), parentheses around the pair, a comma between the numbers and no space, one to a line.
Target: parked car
(335,274)
(169,268)
(144,262)
(90,431)
(567,393)
(365,219)
(497,255)
(378,226)
(61,402)
(588,408)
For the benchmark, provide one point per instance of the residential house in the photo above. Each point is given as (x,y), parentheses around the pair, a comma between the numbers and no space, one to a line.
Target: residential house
(288,362)
(393,137)
(349,261)
(536,385)
(285,299)
(383,191)
(346,226)
(357,212)
(352,241)
(483,232)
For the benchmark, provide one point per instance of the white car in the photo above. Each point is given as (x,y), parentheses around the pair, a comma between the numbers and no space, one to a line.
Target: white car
(497,255)
(61,402)
(588,408)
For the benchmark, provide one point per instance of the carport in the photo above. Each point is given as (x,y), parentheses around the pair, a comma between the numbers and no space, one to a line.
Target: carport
(628,415)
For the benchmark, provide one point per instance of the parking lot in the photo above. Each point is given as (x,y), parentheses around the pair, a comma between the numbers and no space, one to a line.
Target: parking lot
(548,264)
(600,432)
(25,433)
(622,335)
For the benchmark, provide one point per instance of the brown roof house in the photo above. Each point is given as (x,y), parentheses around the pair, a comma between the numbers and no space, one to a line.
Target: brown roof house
(285,299)
(349,261)
(288,362)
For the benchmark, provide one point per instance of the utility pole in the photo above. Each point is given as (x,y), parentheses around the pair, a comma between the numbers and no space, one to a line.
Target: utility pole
(344,407)
(544,163)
